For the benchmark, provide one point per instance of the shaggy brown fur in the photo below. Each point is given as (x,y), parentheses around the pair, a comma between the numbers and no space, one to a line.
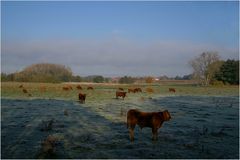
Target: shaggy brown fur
(153,120)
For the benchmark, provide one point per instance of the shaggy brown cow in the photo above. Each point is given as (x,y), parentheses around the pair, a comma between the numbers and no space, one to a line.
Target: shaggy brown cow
(82,97)
(90,88)
(120,94)
(21,86)
(172,90)
(79,87)
(153,120)
(131,90)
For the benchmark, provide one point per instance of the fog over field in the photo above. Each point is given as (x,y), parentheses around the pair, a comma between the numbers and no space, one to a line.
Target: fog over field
(117,38)
(109,57)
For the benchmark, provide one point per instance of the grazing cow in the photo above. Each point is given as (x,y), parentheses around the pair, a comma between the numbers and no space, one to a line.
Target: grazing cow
(82,97)
(131,90)
(24,90)
(90,88)
(79,87)
(65,88)
(137,90)
(149,90)
(120,94)
(153,120)
(121,89)
(21,86)
(172,90)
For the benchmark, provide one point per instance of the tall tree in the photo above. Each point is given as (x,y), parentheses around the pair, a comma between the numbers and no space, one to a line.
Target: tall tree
(202,70)
(229,72)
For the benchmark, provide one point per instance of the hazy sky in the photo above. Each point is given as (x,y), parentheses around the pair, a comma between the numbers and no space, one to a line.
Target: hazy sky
(117,38)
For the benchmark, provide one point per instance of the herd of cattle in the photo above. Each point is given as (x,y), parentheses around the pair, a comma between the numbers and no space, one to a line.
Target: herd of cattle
(82,97)
(135,117)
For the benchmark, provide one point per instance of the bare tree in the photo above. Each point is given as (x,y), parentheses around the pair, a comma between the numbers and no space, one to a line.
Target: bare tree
(202,67)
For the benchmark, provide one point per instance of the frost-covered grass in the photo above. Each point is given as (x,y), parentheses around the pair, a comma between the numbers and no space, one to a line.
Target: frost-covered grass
(201,127)
(205,122)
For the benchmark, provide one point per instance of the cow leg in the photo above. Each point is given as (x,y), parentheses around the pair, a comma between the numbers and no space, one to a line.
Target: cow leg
(155,134)
(131,133)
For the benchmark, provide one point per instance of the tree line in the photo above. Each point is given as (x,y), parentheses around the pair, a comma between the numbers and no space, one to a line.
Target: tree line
(51,73)
(208,68)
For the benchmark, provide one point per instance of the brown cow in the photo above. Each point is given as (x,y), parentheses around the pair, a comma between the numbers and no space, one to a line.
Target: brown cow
(172,90)
(137,90)
(21,86)
(90,88)
(131,90)
(42,88)
(82,97)
(79,87)
(65,88)
(121,89)
(24,90)
(70,87)
(120,94)
(153,120)
(149,90)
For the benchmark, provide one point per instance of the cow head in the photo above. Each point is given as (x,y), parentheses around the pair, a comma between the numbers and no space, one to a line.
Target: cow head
(166,115)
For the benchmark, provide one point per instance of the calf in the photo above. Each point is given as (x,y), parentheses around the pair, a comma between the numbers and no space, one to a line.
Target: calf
(82,97)
(153,120)
(120,94)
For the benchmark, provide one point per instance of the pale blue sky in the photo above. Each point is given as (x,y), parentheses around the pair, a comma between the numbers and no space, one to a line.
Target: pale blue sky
(117,38)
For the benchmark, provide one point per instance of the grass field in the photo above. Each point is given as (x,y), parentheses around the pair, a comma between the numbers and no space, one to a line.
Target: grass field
(107,91)
(204,121)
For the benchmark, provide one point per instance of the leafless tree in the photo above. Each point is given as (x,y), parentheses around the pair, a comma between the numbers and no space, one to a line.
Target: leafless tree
(203,68)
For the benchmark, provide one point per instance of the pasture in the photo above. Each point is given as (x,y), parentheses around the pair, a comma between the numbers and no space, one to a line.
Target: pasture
(204,124)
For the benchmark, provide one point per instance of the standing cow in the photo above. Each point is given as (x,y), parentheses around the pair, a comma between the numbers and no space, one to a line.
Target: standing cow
(82,97)
(120,94)
(153,120)
(172,90)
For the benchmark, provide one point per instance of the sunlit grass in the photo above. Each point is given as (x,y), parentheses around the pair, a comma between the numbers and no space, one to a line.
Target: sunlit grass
(107,92)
